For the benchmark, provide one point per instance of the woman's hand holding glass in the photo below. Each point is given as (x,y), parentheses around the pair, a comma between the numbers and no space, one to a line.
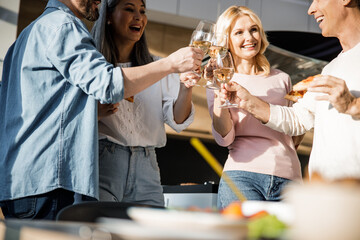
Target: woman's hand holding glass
(189,79)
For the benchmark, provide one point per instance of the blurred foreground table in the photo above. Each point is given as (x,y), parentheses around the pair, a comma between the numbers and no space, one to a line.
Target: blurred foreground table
(51,230)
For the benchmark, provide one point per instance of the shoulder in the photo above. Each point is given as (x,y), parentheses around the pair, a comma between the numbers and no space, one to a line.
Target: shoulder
(278,73)
(55,19)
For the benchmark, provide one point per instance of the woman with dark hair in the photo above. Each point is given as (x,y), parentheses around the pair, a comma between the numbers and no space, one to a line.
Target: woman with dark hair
(130,130)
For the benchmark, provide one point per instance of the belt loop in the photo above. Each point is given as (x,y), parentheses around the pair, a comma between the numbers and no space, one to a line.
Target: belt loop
(146,151)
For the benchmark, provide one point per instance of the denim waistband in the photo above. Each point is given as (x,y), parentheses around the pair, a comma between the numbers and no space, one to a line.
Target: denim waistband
(132,149)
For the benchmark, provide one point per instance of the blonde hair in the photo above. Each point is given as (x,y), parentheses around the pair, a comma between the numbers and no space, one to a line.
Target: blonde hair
(223,25)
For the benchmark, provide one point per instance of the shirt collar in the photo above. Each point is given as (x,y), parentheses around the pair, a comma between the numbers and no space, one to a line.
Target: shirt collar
(59,5)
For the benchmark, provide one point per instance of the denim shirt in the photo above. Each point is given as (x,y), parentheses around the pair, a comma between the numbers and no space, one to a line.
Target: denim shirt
(52,77)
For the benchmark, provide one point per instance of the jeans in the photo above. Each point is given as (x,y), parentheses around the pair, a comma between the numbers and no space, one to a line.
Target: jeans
(254,186)
(43,206)
(129,174)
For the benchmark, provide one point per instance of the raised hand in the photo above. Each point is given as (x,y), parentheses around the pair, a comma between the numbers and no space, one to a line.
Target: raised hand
(189,79)
(337,93)
(186,59)
(209,68)
(243,98)
(234,93)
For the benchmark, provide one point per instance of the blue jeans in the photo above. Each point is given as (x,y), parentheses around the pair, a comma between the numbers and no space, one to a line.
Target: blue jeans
(129,174)
(43,206)
(254,186)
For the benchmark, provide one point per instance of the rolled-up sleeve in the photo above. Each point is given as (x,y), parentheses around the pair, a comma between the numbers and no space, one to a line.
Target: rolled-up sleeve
(73,53)
(170,88)
(226,140)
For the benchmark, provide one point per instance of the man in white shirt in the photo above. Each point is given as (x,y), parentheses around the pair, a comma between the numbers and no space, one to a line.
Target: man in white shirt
(332,104)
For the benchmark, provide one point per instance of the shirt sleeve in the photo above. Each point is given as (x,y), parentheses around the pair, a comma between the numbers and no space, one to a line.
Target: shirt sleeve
(220,140)
(170,86)
(73,53)
(292,121)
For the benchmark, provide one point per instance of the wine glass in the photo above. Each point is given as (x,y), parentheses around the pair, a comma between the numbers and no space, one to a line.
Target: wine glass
(201,40)
(223,73)
(219,46)
(205,26)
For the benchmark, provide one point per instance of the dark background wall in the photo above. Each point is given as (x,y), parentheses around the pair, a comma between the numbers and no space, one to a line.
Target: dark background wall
(179,162)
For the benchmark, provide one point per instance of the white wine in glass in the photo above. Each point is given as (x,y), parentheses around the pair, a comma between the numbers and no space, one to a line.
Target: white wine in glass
(219,45)
(224,73)
(201,40)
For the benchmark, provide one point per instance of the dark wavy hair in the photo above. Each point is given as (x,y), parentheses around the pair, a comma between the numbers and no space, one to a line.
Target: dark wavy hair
(140,54)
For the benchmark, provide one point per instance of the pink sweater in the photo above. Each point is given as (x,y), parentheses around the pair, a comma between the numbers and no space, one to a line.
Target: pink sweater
(253,146)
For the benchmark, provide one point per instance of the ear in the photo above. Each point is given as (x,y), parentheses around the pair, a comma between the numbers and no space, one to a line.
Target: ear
(346,2)
(108,20)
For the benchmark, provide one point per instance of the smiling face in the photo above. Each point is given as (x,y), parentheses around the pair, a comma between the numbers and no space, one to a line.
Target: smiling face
(245,38)
(128,20)
(328,14)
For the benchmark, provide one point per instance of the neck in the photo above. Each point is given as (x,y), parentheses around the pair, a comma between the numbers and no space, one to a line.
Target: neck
(247,67)
(71,6)
(124,50)
(349,36)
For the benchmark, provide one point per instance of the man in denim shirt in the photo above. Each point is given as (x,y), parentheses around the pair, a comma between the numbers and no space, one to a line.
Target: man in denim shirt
(53,76)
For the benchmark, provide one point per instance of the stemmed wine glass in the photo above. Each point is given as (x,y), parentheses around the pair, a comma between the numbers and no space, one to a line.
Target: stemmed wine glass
(223,73)
(205,26)
(219,47)
(201,40)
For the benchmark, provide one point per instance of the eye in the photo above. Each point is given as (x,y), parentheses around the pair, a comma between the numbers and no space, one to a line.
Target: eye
(129,9)
(143,11)
(254,29)
(238,32)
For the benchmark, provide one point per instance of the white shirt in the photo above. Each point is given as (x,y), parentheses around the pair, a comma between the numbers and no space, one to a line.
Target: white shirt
(141,123)
(336,145)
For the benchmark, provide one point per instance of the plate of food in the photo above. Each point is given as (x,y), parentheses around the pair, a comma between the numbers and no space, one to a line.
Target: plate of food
(185,220)
(132,230)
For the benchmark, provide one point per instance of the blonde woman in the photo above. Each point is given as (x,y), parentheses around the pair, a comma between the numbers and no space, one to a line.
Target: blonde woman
(261,161)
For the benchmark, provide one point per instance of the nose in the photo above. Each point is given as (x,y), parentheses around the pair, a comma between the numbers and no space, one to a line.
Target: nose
(311,10)
(248,35)
(138,16)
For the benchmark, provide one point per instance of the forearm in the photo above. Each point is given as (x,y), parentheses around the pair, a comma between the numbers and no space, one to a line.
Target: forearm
(221,118)
(182,106)
(258,108)
(139,78)
(292,121)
